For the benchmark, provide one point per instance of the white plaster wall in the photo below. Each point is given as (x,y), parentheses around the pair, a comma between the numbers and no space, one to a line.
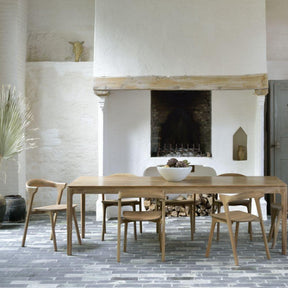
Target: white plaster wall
(127,132)
(277,39)
(52,24)
(65,113)
(179,37)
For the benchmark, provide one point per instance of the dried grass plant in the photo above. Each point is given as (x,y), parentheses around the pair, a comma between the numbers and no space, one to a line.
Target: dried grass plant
(15,116)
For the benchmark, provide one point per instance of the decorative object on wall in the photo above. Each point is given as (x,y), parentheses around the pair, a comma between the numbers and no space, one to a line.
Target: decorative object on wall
(241,152)
(240,145)
(77,49)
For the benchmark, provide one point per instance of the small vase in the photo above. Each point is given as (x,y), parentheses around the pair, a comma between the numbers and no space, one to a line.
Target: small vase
(241,152)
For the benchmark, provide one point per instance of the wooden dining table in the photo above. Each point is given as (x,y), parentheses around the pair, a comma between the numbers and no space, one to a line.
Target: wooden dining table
(192,184)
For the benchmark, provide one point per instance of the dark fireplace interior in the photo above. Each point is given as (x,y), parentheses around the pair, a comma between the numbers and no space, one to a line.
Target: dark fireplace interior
(181,123)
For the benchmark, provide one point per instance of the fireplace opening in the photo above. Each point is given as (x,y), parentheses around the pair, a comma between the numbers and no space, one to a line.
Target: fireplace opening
(181,123)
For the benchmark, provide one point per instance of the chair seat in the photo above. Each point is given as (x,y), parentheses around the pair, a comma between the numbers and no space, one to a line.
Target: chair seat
(237,216)
(60,207)
(142,215)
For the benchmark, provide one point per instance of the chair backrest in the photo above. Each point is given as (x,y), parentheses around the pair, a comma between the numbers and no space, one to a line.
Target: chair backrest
(33,185)
(227,198)
(158,195)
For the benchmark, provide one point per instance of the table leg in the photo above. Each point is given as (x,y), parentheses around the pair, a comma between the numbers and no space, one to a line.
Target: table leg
(83,204)
(284,220)
(69,220)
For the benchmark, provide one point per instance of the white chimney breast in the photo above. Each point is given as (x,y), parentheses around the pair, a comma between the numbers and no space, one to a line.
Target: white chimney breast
(179,37)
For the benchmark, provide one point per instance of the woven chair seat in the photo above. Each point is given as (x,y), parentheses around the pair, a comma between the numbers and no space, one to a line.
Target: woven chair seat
(142,216)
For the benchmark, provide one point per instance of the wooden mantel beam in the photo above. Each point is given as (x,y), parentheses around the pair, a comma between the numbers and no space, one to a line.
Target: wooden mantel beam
(258,82)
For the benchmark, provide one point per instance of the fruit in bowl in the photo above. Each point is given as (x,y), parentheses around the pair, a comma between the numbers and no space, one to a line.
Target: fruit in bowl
(175,170)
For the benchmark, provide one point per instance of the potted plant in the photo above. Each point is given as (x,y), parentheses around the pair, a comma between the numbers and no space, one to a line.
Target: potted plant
(15,116)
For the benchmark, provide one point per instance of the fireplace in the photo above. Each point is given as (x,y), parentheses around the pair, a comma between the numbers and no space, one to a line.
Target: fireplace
(181,123)
(192,54)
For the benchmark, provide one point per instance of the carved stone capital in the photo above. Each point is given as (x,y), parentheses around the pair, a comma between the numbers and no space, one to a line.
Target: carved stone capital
(102,93)
(261,92)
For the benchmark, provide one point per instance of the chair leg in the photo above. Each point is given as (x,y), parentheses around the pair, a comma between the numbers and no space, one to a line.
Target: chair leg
(76,227)
(162,229)
(250,223)
(236,233)
(192,227)
(210,237)
(194,214)
(140,222)
(54,220)
(272,227)
(276,229)
(26,228)
(135,225)
(218,223)
(53,230)
(265,239)
(104,222)
(118,237)
(125,236)
(232,240)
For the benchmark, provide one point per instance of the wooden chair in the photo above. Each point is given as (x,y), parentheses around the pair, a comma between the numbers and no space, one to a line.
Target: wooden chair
(229,217)
(32,187)
(217,204)
(276,216)
(191,203)
(157,216)
(114,202)
(191,199)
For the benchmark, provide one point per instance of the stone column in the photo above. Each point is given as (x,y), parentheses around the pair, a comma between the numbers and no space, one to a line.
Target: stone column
(102,95)
(259,145)
(13,31)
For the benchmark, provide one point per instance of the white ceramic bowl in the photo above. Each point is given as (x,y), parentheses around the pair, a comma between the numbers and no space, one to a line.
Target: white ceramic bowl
(174,174)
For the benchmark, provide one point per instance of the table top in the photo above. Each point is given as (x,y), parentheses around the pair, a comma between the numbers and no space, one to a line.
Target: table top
(190,181)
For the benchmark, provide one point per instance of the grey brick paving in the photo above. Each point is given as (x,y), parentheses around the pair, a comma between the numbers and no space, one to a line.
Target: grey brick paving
(94,264)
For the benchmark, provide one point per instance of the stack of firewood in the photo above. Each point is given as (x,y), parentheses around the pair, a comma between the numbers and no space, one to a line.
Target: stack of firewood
(203,206)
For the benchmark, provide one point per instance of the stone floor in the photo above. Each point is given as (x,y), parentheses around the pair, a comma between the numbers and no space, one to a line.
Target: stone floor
(94,264)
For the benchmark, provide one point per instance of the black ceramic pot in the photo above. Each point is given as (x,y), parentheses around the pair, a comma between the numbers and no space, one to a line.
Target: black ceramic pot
(15,208)
(2,208)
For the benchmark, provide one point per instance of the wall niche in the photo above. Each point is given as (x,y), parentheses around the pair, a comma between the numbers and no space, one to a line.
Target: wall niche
(240,145)
(181,123)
